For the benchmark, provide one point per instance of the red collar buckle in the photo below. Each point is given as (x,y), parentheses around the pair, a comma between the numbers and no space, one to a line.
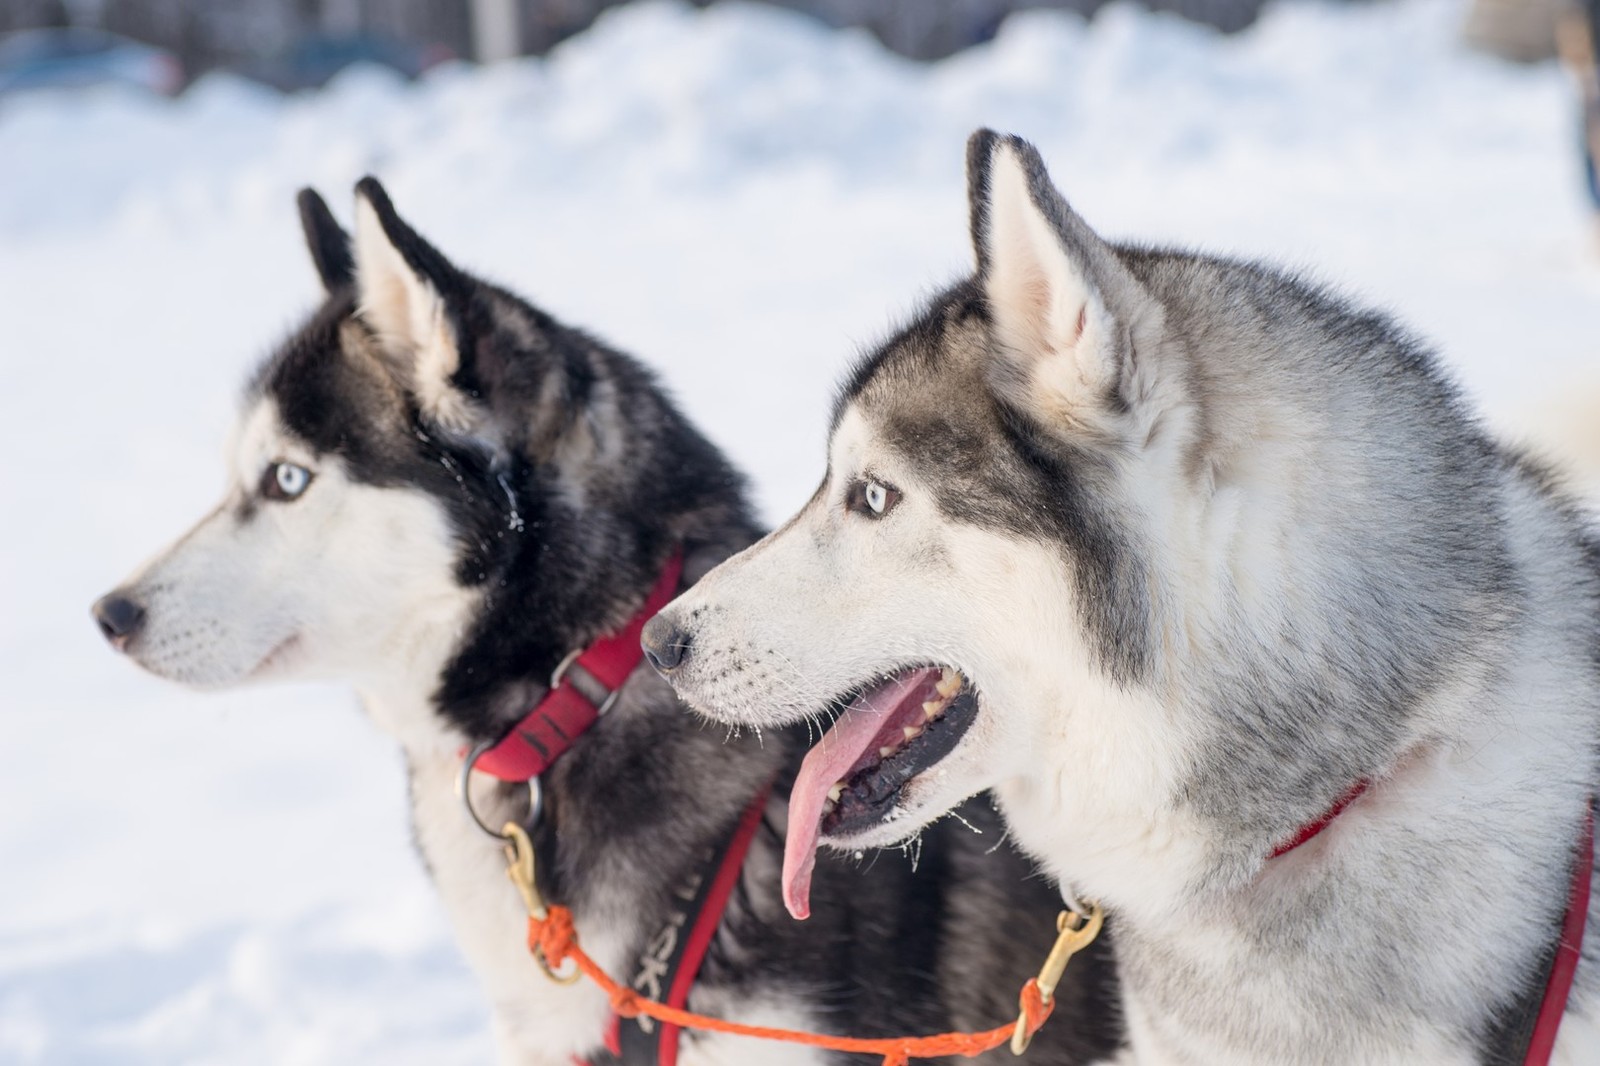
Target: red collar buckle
(565,712)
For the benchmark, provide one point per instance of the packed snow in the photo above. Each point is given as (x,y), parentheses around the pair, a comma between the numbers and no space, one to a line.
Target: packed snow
(741,197)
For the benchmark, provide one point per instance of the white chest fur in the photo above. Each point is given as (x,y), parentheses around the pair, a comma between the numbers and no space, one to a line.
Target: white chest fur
(538,1022)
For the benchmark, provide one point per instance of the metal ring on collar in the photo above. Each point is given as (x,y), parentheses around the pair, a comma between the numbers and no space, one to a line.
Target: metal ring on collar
(1070,900)
(559,674)
(535,794)
(560,671)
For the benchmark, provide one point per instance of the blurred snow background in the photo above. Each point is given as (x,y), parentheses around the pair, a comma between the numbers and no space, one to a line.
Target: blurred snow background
(740,197)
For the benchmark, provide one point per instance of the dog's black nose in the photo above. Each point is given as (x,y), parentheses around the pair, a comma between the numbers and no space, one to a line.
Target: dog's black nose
(119,618)
(665,645)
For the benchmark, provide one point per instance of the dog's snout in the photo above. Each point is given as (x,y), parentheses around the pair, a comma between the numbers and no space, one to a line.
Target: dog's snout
(119,618)
(665,644)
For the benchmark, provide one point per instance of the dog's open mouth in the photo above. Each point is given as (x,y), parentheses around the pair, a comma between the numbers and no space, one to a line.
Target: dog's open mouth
(850,780)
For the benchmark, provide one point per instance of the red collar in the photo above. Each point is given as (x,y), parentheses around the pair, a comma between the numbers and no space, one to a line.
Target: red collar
(1564,967)
(556,721)
(1311,829)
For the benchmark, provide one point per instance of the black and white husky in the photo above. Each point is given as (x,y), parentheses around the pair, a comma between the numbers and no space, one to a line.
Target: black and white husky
(1264,644)
(436,493)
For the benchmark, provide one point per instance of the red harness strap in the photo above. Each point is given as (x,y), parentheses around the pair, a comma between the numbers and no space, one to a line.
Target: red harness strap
(565,712)
(1565,968)
(674,956)
(545,734)
(706,920)
(1558,987)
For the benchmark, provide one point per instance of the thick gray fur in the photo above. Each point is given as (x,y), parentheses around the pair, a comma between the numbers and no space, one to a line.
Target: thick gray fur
(1424,613)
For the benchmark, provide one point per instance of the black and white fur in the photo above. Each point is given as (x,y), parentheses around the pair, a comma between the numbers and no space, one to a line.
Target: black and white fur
(1211,545)
(436,492)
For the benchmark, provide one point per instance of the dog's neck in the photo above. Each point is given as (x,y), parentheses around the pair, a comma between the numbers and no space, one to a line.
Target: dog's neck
(635,802)
(401,699)
(1299,942)
(406,698)
(1360,942)
(406,704)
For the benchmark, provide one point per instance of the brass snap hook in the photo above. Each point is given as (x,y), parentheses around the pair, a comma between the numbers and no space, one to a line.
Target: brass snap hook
(518,849)
(520,868)
(1075,932)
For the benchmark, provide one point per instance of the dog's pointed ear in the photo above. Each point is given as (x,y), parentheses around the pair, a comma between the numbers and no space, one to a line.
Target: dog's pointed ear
(327,240)
(1060,300)
(409,294)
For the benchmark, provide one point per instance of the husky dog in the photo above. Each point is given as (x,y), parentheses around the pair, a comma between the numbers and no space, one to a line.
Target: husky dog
(437,492)
(1177,554)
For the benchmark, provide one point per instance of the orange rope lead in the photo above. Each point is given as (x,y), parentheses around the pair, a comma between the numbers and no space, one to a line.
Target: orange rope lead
(555,940)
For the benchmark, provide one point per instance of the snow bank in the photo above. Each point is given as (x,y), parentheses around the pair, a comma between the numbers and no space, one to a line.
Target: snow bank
(740,197)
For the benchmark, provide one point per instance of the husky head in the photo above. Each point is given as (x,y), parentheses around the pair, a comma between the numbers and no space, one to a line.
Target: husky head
(1069,520)
(431,490)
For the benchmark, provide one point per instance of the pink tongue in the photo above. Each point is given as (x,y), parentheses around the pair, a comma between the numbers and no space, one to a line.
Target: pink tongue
(834,757)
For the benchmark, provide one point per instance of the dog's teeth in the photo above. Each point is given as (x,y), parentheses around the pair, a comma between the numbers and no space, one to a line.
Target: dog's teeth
(884,753)
(932,709)
(835,792)
(949,683)
(910,733)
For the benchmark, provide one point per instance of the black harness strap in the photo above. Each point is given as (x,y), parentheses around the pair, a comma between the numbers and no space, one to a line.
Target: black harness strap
(670,959)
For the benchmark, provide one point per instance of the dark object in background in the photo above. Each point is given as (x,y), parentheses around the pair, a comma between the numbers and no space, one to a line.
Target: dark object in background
(312,61)
(84,58)
(1579,40)
(933,29)
(258,36)
(1523,31)
(1591,108)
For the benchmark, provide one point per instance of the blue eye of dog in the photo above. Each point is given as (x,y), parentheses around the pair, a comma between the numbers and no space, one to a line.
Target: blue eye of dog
(872,498)
(284,481)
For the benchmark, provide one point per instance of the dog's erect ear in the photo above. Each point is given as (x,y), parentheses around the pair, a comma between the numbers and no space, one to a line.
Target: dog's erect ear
(1061,301)
(329,243)
(409,295)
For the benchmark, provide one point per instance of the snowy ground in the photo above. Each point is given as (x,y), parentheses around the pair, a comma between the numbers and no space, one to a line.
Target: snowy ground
(737,196)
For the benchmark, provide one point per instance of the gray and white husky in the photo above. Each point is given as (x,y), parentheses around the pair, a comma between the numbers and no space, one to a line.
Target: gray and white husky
(1174,553)
(436,492)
